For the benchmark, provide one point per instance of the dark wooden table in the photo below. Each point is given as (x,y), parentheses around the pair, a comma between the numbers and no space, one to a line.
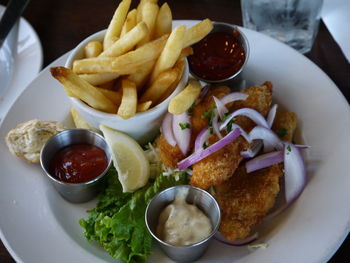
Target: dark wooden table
(62,24)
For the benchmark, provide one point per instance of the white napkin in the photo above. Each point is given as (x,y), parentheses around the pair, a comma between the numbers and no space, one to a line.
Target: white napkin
(336,16)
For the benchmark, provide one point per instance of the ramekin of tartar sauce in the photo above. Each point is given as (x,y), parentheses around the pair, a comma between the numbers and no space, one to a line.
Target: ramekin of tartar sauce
(183,219)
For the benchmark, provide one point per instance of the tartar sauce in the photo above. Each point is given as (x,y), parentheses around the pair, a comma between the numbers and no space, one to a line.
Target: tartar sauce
(181,223)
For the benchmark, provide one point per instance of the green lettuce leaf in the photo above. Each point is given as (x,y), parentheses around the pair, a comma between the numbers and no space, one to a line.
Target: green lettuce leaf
(117,222)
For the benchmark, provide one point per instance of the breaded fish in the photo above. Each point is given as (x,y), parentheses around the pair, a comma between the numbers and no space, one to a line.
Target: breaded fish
(170,155)
(219,166)
(244,199)
(284,125)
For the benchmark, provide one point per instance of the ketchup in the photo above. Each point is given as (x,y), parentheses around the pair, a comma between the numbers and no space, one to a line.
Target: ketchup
(217,56)
(78,163)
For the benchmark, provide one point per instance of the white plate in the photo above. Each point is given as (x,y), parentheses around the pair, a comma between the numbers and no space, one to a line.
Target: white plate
(37,225)
(27,64)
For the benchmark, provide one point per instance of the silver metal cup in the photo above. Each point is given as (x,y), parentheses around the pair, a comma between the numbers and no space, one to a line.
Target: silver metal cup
(203,200)
(79,192)
(235,79)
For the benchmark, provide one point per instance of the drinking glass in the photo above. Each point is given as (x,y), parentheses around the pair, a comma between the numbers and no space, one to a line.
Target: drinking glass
(294,22)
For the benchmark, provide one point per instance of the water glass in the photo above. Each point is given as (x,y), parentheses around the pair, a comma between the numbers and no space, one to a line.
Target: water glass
(294,22)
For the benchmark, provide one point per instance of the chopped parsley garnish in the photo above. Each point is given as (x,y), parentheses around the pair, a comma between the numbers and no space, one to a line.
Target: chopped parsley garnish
(282,132)
(229,125)
(289,148)
(211,130)
(184,125)
(210,114)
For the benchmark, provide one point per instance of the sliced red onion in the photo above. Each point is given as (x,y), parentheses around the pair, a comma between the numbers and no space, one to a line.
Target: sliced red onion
(253,149)
(243,133)
(237,242)
(250,113)
(264,160)
(294,172)
(220,107)
(270,140)
(271,115)
(202,138)
(182,135)
(233,97)
(201,154)
(215,124)
(167,129)
(203,92)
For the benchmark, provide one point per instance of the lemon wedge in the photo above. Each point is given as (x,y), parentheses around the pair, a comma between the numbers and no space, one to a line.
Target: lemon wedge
(128,158)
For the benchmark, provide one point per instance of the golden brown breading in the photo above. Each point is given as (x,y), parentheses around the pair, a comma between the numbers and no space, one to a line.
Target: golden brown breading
(245,199)
(170,155)
(284,125)
(197,120)
(260,98)
(220,166)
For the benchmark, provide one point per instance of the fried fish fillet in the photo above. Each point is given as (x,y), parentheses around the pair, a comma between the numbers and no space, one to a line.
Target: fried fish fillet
(244,199)
(285,124)
(170,155)
(219,166)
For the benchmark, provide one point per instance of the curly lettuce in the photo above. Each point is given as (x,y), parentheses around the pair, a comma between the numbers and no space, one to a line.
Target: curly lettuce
(117,223)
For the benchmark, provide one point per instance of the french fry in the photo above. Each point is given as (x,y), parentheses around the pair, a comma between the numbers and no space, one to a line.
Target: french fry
(99,79)
(129,23)
(185,99)
(149,16)
(164,21)
(185,52)
(128,105)
(79,121)
(140,6)
(170,53)
(139,56)
(127,41)
(144,106)
(94,65)
(116,24)
(114,96)
(93,49)
(160,85)
(83,90)
(140,77)
(197,32)
(179,66)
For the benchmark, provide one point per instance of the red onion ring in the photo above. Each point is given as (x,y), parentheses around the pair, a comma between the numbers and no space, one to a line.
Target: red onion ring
(182,136)
(250,113)
(233,97)
(270,140)
(167,129)
(220,107)
(264,160)
(202,138)
(294,172)
(271,115)
(201,154)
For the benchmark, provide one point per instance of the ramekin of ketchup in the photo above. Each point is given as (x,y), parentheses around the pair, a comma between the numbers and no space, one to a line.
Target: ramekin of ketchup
(221,56)
(76,161)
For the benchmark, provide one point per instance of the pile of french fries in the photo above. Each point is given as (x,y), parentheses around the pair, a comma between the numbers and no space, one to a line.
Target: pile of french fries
(137,65)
